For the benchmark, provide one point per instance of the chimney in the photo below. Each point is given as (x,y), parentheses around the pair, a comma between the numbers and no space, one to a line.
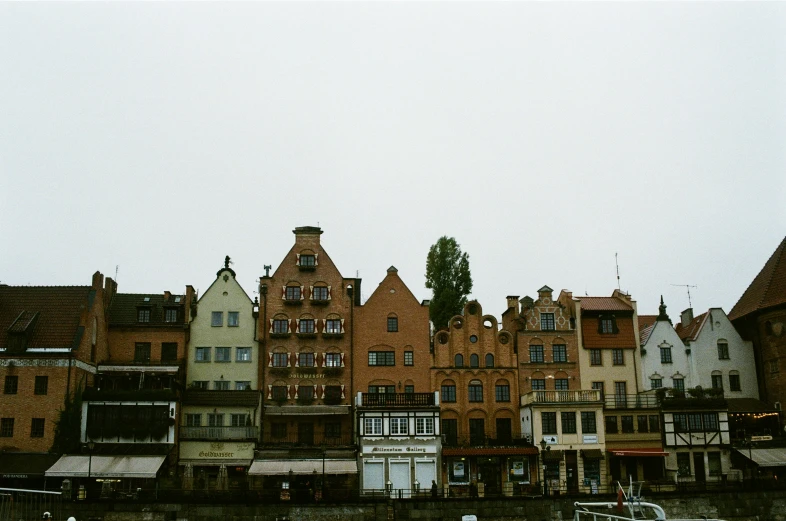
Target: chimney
(686,317)
(307,236)
(98,281)
(513,302)
(167,295)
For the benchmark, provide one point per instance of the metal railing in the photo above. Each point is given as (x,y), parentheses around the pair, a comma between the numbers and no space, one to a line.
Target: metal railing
(486,439)
(313,441)
(219,433)
(631,401)
(397,399)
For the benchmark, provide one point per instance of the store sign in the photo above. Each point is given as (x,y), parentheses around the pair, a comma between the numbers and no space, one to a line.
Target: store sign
(216,450)
(590,438)
(458,469)
(18,476)
(400,449)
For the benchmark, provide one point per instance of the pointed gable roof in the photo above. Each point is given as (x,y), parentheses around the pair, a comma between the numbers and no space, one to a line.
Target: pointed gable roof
(768,289)
(691,331)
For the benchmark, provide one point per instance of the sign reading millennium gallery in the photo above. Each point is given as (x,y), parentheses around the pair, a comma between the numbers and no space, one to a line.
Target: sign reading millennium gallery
(377,450)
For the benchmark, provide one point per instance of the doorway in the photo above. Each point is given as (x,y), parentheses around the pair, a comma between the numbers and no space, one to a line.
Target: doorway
(571,471)
(305,433)
(698,466)
(489,473)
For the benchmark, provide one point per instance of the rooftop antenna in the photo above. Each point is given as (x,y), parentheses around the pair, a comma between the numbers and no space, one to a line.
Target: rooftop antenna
(117,268)
(618,271)
(688,287)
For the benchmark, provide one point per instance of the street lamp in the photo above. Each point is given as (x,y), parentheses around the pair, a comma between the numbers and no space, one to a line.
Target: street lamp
(544,447)
(90,446)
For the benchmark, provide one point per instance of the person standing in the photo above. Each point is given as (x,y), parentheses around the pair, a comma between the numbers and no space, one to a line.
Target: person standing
(433,488)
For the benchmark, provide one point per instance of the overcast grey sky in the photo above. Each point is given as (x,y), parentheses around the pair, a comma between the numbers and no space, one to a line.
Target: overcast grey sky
(545,137)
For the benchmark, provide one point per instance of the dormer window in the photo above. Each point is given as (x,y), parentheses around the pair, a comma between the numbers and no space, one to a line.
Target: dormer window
(170,315)
(607,325)
(143,315)
(147,299)
(547,322)
(308,261)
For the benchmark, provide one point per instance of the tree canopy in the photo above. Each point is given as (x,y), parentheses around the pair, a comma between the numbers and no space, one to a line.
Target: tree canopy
(448,276)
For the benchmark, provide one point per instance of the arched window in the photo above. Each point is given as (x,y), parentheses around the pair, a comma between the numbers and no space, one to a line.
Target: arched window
(489,360)
(474,361)
(459,361)
(475,390)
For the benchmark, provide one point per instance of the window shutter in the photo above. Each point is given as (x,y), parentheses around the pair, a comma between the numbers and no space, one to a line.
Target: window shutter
(270,359)
(302,292)
(288,391)
(297,261)
(311,293)
(316,256)
(315,390)
(297,387)
(342,388)
(342,359)
(614,327)
(289,325)
(297,325)
(297,359)
(322,393)
(283,292)
(330,293)
(342,325)
(269,392)
(289,360)
(271,325)
(324,324)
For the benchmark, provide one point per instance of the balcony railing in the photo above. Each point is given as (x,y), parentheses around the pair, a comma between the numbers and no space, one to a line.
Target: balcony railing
(484,439)
(631,401)
(397,399)
(138,395)
(562,397)
(305,440)
(219,433)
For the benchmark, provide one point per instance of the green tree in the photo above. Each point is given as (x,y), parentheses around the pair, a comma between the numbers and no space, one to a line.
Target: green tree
(448,276)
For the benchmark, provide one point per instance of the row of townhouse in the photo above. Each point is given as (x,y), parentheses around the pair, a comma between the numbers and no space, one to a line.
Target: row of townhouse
(307,388)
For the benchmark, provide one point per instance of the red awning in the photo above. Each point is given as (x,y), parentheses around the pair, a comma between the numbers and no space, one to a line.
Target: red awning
(638,452)
(488,451)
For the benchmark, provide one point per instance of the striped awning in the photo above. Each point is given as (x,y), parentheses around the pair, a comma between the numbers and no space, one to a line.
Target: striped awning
(106,466)
(765,457)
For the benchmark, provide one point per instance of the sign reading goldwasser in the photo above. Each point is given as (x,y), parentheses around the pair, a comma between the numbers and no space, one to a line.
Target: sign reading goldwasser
(209,450)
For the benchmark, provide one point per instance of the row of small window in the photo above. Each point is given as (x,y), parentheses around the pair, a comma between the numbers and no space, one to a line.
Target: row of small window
(12,385)
(7,427)
(723,353)
(559,353)
(222,385)
(389,389)
(398,426)
(646,423)
(328,393)
(143,315)
(539,384)
(388,358)
(217,319)
(283,326)
(475,392)
(217,420)
(281,360)
(142,351)
(223,354)
(568,422)
(296,292)
(305,430)
(617,356)
(474,360)
(714,467)
(620,391)
(717,382)
(696,422)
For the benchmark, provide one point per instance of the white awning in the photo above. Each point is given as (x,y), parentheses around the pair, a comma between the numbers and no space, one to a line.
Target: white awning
(766,457)
(281,467)
(106,466)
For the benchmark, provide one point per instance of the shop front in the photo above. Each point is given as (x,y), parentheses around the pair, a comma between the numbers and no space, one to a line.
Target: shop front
(490,471)
(108,476)
(210,465)
(399,470)
(637,464)
(26,470)
(304,480)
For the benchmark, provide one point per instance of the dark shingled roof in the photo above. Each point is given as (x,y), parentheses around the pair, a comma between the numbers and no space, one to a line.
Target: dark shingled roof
(52,311)
(123,308)
(768,289)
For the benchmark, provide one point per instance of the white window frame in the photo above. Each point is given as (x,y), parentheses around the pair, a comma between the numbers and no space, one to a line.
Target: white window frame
(424,426)
(399,426)
(372,426)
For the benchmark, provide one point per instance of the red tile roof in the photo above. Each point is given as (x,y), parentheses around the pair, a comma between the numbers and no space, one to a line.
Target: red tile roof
(645,332)
(692,329)
(59,309)
(768,289)
(604,304)
(646,320)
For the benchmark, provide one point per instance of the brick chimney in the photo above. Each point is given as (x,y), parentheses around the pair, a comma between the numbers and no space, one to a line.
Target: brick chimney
(513,302)
(686,317)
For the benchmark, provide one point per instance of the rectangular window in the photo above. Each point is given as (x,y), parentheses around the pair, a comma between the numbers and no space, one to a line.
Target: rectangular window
(193,420)
(215,420)
(588,422)
(307,260)
(536,354)
(221,385)
(332,429)
(606,326)
(621,394)
(409,358)
(599,386)
(280,359)
(409,389)
(475,392)
(538,384)
(332,359)
(143,315)
(678,384)
(656,383)
(717,381)
(319,293)
(37,428)
(11,384)
(168,351)
(372,426)
(694,422)
(450,430)
(568,420)
(642,423)
(424,426)
(243,354)
(714,463)
(502,393)
(223,354)
(774,366)
(279,393)
(547,322)
(381,358)
(399,426)
(305,359)
(680,422)
(596,357)
(280,326)
(217,319)
(279,430)
(611,425)
(549,421)
(41,385)
(559,352)
(333,326)
(392,324)
(448,393)
(332,394)
(233,319)
(627,423)
(683,464)
(734,382)
(665,355)
(293,293)
(723,351)
(142,352)
(239,420)
(561,384)
(170,315)
(711,422)
(654,421)
(200,384)
(7,427)
(617,357)
(306,326)
(243,385)
(381,389)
